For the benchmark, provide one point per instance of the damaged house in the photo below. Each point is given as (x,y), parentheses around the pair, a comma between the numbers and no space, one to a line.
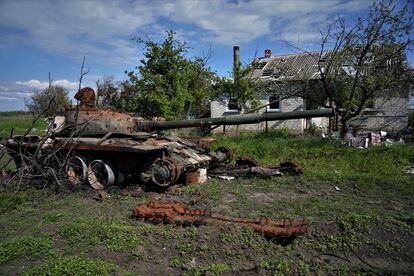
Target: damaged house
(298,72)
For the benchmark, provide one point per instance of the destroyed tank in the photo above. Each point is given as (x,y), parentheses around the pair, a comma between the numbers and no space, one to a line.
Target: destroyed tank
(112,148)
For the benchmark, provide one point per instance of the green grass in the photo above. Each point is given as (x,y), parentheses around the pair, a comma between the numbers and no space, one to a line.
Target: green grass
(111,233)
(74,265)
(20,123)
(371,214)
(29,246)
(327,159)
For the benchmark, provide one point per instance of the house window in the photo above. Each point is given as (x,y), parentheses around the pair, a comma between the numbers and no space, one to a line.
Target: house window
(274,104)
(232,106)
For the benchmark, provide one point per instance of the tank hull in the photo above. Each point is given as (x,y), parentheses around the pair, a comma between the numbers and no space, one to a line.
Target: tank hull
(159,160)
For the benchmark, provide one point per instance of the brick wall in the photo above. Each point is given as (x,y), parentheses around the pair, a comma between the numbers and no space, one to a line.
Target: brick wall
(389,114)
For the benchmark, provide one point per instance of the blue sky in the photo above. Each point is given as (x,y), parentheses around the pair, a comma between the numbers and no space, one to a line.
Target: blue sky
(37,37)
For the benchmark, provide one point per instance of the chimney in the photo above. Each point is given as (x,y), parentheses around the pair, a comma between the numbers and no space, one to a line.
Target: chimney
(268,53)
(236,60)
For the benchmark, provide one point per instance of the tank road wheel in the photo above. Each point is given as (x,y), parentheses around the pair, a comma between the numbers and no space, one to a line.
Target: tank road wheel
(165,172)
(100,175)
(223,155)
(77,169)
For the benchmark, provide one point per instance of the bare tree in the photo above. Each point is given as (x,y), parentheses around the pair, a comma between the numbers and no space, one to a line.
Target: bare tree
(107,92)
(39,162)
(361,61)
(82,73)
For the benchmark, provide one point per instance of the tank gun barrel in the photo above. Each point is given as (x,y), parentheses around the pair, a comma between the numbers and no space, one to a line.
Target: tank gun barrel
(234,119)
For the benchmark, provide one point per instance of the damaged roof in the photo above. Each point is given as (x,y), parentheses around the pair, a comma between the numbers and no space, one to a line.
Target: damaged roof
(302,66)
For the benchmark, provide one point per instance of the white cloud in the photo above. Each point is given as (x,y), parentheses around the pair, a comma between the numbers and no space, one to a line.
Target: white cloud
(7,98)
(36,84)
(13,94)
(101,30)
(3,88)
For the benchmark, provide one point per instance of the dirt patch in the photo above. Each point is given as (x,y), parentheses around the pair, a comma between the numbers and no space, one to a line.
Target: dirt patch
(267,198)
(143,268)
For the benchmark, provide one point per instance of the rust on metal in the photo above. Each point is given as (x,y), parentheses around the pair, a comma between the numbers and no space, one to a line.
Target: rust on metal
(204,142)
(176,213)
(86,96)
(249,165)
(197,177)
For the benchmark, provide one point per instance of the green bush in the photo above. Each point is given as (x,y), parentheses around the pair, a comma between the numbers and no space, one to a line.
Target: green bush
(312,130)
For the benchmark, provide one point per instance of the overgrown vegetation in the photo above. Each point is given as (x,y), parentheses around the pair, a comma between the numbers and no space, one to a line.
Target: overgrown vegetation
(359,203)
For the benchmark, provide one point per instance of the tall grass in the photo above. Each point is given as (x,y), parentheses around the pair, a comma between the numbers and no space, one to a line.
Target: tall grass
(328,159)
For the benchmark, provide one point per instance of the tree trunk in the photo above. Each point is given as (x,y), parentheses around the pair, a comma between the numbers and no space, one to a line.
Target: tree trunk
(344,128)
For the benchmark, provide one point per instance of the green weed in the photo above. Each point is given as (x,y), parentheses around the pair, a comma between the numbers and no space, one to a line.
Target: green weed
(28,246)
(55,216)
(115,235)
(12,200)
(76,266)
(277,267)
(353,230)
(211,269)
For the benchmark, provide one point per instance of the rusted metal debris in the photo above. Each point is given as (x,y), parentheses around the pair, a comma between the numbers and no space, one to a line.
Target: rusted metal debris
(246,161)
(176,213)
(249,166)
(287,166)
(86,96)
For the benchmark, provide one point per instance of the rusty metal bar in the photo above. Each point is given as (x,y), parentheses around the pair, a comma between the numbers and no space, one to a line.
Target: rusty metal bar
(176,213)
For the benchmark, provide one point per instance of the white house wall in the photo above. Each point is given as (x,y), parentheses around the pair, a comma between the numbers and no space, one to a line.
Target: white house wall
(219,109)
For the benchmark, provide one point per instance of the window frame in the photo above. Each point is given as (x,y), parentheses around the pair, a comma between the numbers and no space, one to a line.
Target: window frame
(228,109)
(269,109)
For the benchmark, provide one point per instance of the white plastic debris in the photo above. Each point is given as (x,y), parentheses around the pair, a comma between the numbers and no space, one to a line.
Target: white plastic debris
(409,169)
(337,188)
(375,138)
(349,137)
(190,264)
(225,177)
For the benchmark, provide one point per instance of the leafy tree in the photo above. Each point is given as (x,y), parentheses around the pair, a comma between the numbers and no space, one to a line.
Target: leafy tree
(361,61)
(167,83)
(241,90)
(118,95)
(49,102)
